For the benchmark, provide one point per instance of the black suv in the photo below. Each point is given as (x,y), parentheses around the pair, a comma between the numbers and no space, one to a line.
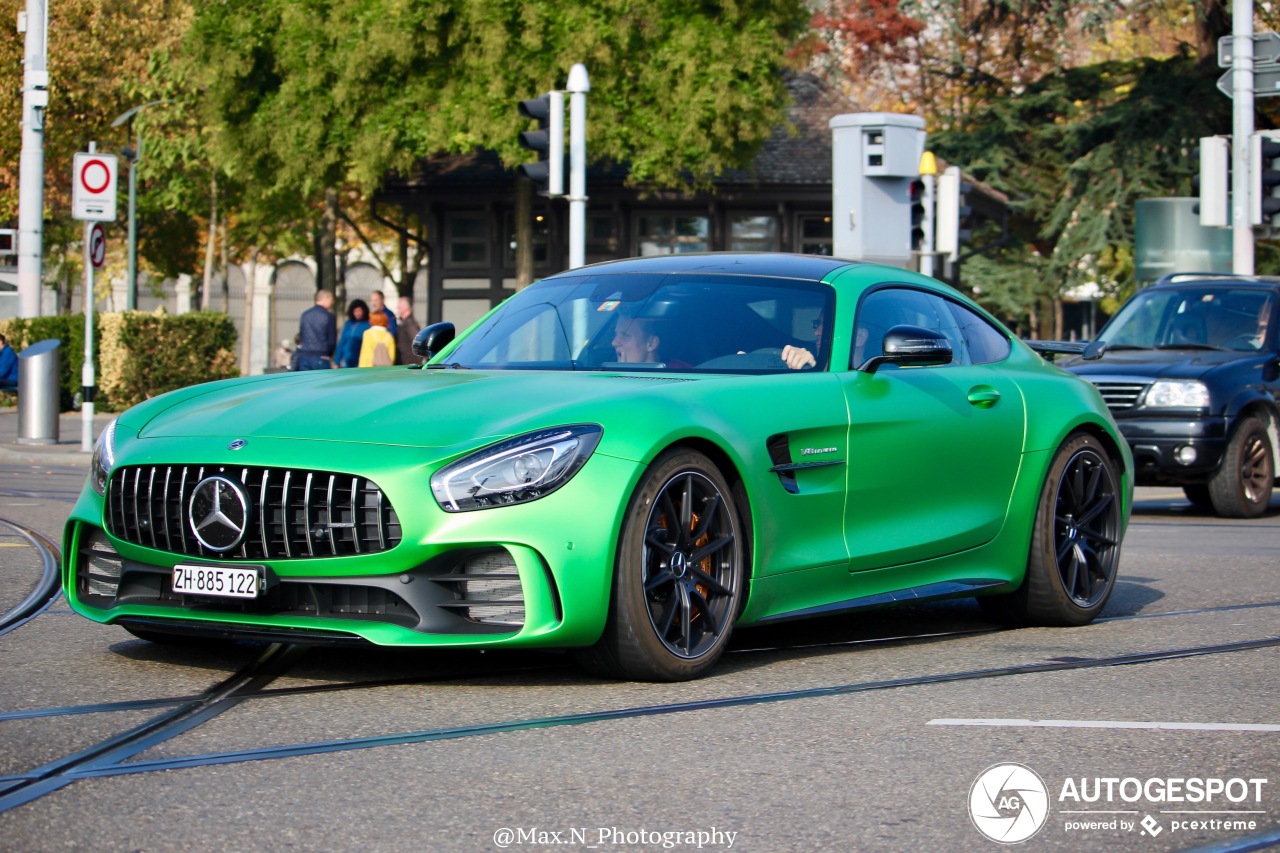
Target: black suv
(1191,372)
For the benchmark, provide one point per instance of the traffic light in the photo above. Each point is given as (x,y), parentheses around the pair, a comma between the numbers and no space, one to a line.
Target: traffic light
(547,140)
(1264,166)
(920,218)
(953,219)
(1213,182)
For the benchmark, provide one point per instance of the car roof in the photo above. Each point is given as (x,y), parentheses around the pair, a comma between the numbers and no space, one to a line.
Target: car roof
(775,264)
(1184,279)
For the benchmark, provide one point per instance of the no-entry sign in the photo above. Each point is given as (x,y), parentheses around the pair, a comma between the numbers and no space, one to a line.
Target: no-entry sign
(93,187)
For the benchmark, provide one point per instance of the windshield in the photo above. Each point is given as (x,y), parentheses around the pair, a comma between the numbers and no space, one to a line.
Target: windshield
(1204,317)
(682,322)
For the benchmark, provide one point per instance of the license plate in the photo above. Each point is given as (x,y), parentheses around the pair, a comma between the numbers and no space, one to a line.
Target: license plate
(225,581)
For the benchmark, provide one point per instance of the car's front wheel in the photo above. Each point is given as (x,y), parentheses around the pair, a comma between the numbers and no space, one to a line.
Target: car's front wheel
(678,582)
(1075,546)
(1241,487)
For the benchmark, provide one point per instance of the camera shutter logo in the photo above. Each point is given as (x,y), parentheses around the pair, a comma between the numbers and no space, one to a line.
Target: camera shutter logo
(219,513)
(1009,803)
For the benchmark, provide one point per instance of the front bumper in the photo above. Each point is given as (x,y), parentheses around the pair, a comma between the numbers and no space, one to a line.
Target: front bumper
(534,574)
(1175,450)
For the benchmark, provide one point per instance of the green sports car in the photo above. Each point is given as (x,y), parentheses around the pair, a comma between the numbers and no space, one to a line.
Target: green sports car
(626,460)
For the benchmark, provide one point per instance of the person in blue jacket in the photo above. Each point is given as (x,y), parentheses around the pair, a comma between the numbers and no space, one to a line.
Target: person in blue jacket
(8,366)
(348,352)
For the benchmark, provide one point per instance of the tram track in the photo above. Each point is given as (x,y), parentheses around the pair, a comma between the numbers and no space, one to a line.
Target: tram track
(47,588)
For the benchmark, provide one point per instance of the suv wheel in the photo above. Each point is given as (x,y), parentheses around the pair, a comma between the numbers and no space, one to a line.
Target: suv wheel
(1241,487)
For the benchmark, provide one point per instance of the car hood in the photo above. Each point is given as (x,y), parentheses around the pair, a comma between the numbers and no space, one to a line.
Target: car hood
(1155,363)
(395,406)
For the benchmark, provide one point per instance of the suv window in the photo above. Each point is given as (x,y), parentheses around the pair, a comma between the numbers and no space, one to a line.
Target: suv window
(1199,317)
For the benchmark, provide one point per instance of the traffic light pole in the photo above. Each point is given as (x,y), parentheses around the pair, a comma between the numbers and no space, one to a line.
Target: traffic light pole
(1242,181)
(35,97)
(579,85)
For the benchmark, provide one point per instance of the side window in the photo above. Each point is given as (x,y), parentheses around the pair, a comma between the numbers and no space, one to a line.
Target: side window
(901,306)
(984,343)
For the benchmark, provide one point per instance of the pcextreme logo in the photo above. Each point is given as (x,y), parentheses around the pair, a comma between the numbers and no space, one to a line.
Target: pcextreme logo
(1009,803)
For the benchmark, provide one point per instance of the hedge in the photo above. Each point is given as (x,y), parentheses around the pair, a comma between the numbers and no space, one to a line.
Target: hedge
(137,355)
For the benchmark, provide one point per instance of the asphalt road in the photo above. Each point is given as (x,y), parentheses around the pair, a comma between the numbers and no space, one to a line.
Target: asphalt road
(855,733)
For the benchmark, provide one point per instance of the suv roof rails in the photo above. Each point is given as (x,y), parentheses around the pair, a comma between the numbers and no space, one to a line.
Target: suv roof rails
(1175,277)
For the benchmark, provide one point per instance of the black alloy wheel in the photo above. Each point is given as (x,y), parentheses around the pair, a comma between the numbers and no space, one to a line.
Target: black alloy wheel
(678,583)
(1075,545)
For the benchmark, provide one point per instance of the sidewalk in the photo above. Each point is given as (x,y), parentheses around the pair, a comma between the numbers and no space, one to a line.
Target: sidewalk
(65,452)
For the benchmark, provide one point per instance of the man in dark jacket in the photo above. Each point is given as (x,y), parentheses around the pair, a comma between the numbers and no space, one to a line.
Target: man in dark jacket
(406,331)
(317,334)
(8,366)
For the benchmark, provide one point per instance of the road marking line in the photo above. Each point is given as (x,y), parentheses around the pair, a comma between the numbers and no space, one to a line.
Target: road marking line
(1111,724)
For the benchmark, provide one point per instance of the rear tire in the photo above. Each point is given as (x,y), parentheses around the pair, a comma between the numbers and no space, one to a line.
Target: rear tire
(1241,487)
(678,581)
(1075,545)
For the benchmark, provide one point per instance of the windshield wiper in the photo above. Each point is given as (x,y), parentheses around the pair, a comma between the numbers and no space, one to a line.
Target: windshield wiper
(1188,346)
(442,365)
(1114,347)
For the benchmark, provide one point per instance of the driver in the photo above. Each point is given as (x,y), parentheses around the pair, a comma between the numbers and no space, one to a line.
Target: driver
(634,341)
(798,358)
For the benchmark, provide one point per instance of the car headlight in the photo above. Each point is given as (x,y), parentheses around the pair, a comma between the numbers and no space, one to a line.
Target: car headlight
(517,470)
(104,457)
(1179,394)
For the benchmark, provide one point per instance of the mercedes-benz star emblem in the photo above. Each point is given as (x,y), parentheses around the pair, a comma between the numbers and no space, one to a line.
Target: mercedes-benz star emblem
(219,513)
(237,444)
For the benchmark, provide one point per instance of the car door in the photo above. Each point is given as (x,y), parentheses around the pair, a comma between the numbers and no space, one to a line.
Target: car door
(933,451)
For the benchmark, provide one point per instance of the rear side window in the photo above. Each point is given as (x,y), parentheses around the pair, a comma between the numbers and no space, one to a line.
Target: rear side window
(985,343)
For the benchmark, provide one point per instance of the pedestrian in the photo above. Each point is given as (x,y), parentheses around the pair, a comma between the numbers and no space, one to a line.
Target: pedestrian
(348,353)
(378,346)
(406,330)
(317,334)
(8,366)
(378,305)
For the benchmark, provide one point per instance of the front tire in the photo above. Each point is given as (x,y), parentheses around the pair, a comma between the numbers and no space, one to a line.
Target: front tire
(1075,546)
(1241,487)
(678,581)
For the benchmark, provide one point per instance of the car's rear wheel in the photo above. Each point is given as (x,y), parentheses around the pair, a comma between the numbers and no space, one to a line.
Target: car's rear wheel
(679,577)
(1241,487)
(1075,546)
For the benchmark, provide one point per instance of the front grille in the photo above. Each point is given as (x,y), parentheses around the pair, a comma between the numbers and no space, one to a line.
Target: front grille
(1120,395)
(293,514)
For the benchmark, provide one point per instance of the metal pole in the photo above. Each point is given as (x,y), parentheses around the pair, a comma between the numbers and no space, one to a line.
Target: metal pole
(1242,182)
(131,279)
(579,85)
(86,373)
(35,97)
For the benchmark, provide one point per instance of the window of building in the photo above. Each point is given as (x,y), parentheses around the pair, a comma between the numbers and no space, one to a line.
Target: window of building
(665,234)
(815,235)
(753,233)
(541,230)
(602,237)
(467,240)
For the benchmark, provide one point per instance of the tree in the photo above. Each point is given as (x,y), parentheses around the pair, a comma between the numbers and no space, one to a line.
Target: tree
(305,96)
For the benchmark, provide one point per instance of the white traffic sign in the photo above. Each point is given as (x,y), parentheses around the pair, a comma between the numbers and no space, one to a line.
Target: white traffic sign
(97,245)
(93,187)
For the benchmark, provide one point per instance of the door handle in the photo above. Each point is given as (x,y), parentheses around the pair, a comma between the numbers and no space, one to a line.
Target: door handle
(983,396)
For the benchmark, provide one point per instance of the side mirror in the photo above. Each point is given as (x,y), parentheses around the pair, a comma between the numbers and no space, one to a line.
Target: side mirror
(1094,350)
(432,339)
(911,346)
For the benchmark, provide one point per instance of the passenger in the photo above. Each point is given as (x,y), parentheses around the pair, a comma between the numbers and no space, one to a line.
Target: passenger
(636,342)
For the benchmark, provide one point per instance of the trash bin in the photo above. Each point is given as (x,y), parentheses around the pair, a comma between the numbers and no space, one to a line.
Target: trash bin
(38,393)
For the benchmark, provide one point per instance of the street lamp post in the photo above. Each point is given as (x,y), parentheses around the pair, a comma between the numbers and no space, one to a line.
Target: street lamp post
(134,157)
